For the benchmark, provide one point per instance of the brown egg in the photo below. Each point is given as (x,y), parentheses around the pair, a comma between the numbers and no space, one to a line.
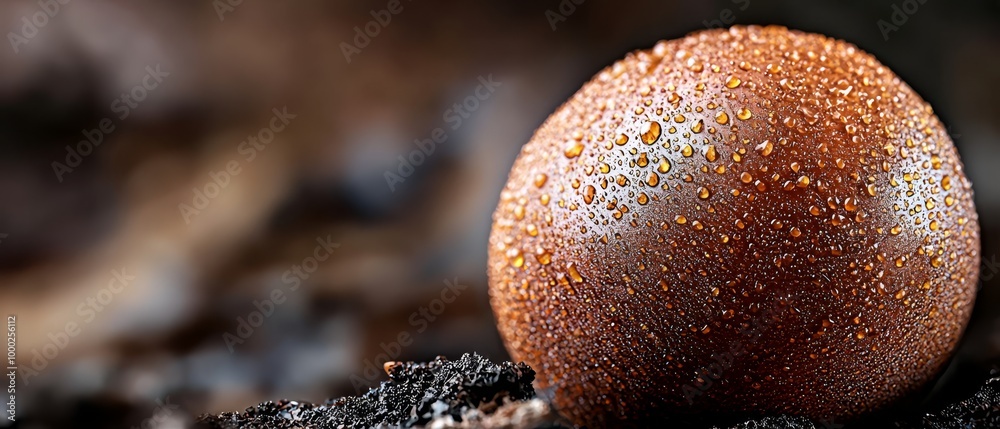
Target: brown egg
(744,221)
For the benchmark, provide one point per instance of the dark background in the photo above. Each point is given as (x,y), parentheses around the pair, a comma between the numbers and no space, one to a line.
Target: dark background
(156,353)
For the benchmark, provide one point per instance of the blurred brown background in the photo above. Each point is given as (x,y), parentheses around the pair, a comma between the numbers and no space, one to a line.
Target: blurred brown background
(158,343)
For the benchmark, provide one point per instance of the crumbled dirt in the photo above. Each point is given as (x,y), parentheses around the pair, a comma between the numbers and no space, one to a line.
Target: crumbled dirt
(473,392)
(416,394)
(782,422)
(982,410)
(531,414)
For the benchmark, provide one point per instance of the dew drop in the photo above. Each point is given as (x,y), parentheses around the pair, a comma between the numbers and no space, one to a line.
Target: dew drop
(540,180)
(574,273)
(697,127)
(744,114)
(543,256)
(574,150)
(588,194)
(664,166)
(850,204)
(650,132)
(515,258)
(765,148)
(653,179)
(711,155)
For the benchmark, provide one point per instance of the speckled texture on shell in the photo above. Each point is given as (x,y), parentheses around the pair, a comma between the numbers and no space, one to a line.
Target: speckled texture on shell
(748,220)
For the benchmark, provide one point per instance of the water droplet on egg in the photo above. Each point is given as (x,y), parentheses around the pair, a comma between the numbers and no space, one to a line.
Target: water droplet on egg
(650,132)
(664,166)
(574,150)
(765,148)
(540,180)
(574,274)
(711,155)
(744,114)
